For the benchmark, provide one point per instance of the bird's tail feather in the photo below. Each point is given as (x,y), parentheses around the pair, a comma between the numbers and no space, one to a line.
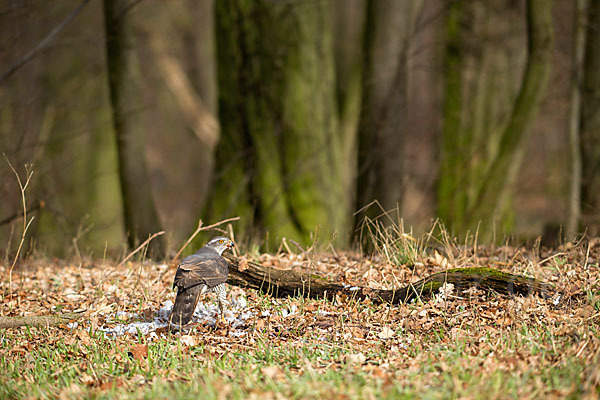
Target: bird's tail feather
(185,305)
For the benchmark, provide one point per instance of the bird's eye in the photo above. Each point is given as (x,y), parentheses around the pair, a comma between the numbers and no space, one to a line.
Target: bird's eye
(220,241)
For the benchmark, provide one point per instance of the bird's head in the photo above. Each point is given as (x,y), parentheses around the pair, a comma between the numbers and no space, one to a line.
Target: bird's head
(220,243)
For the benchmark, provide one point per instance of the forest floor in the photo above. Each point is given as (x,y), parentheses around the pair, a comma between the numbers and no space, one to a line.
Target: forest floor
(471,344)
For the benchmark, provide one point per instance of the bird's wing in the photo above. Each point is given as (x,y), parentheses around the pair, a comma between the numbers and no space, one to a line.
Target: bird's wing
(194,270)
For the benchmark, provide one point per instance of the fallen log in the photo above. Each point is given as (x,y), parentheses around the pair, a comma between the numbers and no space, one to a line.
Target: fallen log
(287,282)
(40,320)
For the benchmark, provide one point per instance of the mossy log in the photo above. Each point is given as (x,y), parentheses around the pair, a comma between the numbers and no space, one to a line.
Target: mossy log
(40,320)
(287,282)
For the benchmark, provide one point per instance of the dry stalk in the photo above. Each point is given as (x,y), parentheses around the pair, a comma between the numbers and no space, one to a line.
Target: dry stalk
(26,224)
(198,230)
(141,246)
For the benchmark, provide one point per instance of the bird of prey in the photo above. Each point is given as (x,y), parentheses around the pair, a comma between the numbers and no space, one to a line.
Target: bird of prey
(205,270)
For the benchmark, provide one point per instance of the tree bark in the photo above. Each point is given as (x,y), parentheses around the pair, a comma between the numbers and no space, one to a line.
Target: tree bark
(449,193)
(590,125)
(388,31)
(283,283)
(140,216)
(278,163)
(349,21)
(539,47)
(574,202)
(485,120)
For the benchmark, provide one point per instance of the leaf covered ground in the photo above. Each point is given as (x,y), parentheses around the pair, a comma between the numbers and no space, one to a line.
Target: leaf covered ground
(471,344)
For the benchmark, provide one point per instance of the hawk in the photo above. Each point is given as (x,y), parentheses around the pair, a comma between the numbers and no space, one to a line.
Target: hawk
(205,270)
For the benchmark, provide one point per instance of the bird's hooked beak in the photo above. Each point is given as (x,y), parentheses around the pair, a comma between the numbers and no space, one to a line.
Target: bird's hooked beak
(230,245)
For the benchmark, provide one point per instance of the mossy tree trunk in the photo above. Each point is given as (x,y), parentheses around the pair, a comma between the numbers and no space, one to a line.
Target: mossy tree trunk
(140,216)
(278,164)
(498,178)
(486,120)
(349,21)
(590,125)
(578,54)
(383,115)
(450,205)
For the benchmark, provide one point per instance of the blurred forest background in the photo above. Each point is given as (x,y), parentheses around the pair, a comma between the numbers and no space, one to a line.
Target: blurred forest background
(138,116)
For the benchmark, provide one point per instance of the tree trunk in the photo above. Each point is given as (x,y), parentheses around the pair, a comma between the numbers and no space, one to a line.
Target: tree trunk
(279,160)
(140,216)
(450,207)
(539,47)
(590,125)
(485,120)
(388,31)
(574,202)
(349,18)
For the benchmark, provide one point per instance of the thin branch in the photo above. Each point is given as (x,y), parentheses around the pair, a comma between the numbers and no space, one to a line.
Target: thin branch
(198,230)
(41,45)
(141,246)
(26,224)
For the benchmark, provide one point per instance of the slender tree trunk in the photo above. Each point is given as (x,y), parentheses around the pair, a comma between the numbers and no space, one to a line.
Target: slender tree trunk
(486,120)
(539,45)
(278,164)
(590,124)
(349,18)
(450,207)
(388,31)
(574,204)
(140,216)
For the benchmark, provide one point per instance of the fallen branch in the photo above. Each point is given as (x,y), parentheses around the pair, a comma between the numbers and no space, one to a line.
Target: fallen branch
(40,320)
(286,282)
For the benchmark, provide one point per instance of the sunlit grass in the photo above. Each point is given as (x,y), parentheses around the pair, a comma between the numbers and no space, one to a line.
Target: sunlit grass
(445,369)
(470,345)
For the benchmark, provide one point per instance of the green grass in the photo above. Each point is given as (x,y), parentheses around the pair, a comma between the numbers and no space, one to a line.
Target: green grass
(440,368)
(472,345)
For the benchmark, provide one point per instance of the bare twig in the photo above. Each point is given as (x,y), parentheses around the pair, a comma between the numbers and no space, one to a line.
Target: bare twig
(200,229)
(26,224)
(33,52)
(141,246)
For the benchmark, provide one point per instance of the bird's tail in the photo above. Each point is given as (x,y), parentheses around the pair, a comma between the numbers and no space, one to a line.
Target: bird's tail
(185,305)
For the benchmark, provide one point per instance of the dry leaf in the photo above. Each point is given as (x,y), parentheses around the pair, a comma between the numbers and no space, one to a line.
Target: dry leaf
(387,333)
(187,340)
(356,359)
(139,351)
(272,371)
(87,379)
